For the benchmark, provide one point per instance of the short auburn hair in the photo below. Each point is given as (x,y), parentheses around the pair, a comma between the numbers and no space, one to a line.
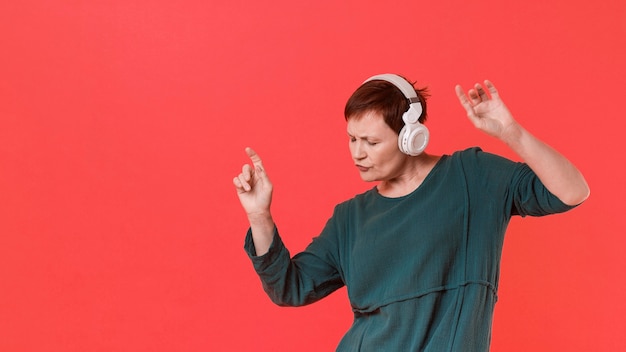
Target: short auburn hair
(385,98)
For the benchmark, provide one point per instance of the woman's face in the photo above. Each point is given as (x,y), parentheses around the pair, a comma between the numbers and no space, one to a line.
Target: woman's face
(374,148)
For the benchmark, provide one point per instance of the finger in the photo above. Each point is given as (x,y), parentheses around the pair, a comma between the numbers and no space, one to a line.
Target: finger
(243,183)
(461,95)
(492,89)
(246,171)
(481,92)
(474,96)
(256,161)
(467,105)
(238,185)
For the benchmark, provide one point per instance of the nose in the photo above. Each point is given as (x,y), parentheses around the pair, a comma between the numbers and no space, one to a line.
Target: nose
(358,152)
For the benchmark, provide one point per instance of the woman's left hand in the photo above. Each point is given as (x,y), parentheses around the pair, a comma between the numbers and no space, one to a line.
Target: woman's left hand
(486,110)
(489,114)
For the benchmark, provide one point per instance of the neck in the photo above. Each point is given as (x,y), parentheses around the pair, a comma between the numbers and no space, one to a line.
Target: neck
(410,177)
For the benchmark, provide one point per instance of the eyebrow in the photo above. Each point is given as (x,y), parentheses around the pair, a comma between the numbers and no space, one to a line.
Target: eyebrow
(367,138)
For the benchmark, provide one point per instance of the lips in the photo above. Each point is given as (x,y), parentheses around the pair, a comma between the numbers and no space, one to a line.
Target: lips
(362,168)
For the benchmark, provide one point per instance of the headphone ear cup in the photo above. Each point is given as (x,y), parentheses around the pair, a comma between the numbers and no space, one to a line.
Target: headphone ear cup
(403,138)
(413,139)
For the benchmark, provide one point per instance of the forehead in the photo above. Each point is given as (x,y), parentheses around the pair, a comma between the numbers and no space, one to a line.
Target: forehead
(369,123)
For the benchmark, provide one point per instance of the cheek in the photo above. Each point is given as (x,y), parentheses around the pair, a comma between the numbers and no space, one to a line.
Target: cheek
(390,157)
(378,158)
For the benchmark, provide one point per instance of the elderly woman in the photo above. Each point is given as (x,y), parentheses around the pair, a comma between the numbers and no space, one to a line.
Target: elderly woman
(419,252)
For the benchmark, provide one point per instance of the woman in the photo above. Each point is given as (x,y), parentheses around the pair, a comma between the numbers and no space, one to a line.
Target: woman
(420,252)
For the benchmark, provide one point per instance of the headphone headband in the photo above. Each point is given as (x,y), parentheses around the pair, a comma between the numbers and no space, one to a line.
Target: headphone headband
(401,83)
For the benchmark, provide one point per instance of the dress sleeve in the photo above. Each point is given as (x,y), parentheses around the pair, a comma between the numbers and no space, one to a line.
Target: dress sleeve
(520,188)
(306,278)
(531,197)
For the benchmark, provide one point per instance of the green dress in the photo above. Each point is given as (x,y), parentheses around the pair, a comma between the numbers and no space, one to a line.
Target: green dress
(421,270)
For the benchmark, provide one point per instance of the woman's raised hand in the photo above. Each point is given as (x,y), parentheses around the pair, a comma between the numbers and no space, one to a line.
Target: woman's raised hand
(255,194)
(254,187)
(486,111)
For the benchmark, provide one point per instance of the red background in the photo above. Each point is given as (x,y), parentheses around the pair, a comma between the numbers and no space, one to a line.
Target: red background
(123,122)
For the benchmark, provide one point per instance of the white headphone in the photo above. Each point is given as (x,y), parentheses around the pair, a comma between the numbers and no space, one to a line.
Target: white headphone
(413,138)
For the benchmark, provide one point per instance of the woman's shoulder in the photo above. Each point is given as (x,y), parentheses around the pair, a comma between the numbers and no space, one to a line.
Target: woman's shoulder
(478,156)
(471,152)
(478,165)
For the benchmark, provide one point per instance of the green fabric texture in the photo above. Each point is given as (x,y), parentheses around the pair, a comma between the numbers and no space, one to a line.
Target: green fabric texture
(421,270)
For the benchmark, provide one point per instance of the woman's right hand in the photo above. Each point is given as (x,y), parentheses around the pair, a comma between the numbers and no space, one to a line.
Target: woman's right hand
(255,194)
(254,187)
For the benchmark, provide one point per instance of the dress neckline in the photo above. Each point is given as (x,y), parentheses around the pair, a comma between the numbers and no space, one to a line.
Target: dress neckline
(423,185)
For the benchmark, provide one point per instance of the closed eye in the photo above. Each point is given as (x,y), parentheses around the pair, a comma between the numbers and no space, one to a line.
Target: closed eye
(366,140)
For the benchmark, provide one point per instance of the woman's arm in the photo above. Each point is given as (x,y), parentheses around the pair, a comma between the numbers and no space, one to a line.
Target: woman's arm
(303,279)
(489,114)
(255,194)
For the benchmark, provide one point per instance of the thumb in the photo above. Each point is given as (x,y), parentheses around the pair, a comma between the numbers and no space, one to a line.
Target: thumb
(466,104)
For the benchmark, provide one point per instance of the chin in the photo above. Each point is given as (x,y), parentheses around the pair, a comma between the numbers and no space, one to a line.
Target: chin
(367,178)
